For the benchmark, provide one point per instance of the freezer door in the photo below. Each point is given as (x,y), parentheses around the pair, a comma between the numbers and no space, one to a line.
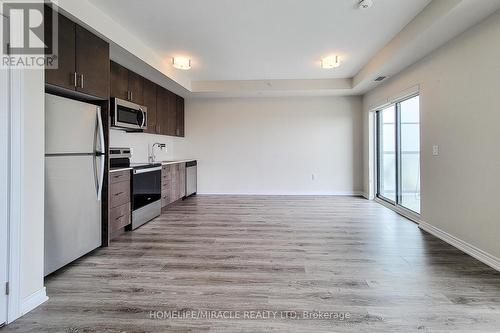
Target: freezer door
(72,209)
(71,127)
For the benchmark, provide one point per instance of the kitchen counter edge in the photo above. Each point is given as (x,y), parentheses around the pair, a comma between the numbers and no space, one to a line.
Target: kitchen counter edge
(119,169)
(177,162)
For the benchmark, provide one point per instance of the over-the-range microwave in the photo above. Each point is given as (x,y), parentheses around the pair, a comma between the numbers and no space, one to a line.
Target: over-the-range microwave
(128,116)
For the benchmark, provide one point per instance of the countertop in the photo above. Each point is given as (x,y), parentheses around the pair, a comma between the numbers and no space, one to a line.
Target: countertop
(118,169)
(162,163)
(177,161)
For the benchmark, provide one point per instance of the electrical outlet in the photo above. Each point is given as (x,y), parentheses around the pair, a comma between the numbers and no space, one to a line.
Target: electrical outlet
(313,177)
(435,150)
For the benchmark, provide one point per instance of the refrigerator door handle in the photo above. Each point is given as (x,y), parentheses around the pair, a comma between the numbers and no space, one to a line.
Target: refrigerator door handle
(96,179)
(101,130)
(99,179)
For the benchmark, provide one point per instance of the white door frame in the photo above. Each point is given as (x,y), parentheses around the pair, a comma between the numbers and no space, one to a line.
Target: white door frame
(16,185)
(13,162)
(4,185)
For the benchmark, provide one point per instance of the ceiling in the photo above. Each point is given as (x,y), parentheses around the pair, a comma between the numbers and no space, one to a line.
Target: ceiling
(274,47)
(263,39)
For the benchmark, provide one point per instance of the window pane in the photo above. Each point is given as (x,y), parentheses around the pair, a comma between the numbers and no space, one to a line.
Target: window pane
(387,157)
(410,154)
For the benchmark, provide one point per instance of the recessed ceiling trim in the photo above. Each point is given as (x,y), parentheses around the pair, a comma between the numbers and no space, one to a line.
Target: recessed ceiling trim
(439,22)
(270,85)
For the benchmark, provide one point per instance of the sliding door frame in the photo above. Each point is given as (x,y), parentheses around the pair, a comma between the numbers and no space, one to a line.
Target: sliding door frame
(378,144)
(398,155)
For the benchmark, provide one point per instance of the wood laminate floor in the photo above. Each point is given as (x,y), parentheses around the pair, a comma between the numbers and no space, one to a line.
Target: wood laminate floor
(344,256)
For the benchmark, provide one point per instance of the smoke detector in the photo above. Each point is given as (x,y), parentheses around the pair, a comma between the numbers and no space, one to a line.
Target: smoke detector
(364,4)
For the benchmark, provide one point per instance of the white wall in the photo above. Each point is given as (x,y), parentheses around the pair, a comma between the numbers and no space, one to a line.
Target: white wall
(141,144)
(33,168)
(460,112)
(275,145)
(26,102)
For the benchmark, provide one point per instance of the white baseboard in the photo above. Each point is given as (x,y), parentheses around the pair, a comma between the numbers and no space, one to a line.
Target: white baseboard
(33,301)
(350,194)
(471,250)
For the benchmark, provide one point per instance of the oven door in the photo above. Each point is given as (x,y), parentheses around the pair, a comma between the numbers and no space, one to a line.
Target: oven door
(146,187)
(129,115)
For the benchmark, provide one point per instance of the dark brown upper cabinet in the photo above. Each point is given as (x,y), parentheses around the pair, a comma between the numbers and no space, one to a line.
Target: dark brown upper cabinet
(150,102)
(92,64)
(83,58)
(169,113)
(136,88)
(172,114)
(162,100)
(165,109)
(180,116)
(119,81)
(65,75)
(126,84)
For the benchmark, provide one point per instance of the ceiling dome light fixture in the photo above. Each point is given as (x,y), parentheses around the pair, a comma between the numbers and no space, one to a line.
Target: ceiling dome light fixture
(365,4)
(330,62)
(181,63)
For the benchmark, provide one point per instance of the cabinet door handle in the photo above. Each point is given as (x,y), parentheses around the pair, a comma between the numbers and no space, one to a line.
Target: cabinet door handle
(75,79)
(119,193)
(119,217)
(131,96)
(81,80)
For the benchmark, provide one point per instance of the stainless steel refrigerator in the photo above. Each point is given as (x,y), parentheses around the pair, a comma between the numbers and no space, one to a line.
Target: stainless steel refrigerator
(74,174)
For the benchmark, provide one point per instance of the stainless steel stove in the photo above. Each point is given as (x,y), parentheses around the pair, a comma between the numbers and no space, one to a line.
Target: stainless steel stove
(146,186)
(146,193)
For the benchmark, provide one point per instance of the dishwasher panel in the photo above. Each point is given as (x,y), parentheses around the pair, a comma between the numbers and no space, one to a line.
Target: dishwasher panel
(191,178)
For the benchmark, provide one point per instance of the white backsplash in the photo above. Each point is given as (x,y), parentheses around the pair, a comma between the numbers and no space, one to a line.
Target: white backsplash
(141,144)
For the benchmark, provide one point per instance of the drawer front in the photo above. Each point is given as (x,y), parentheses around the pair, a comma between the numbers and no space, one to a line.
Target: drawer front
(119,194)
(165,170)
(164,186)
(164,200)
(119,176)
(119,217)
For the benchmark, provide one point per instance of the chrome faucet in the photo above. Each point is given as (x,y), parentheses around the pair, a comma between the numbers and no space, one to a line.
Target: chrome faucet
(152,156)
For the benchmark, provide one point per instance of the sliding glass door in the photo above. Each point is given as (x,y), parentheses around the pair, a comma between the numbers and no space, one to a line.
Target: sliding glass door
(398,154)
(387,154)
(410,153)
